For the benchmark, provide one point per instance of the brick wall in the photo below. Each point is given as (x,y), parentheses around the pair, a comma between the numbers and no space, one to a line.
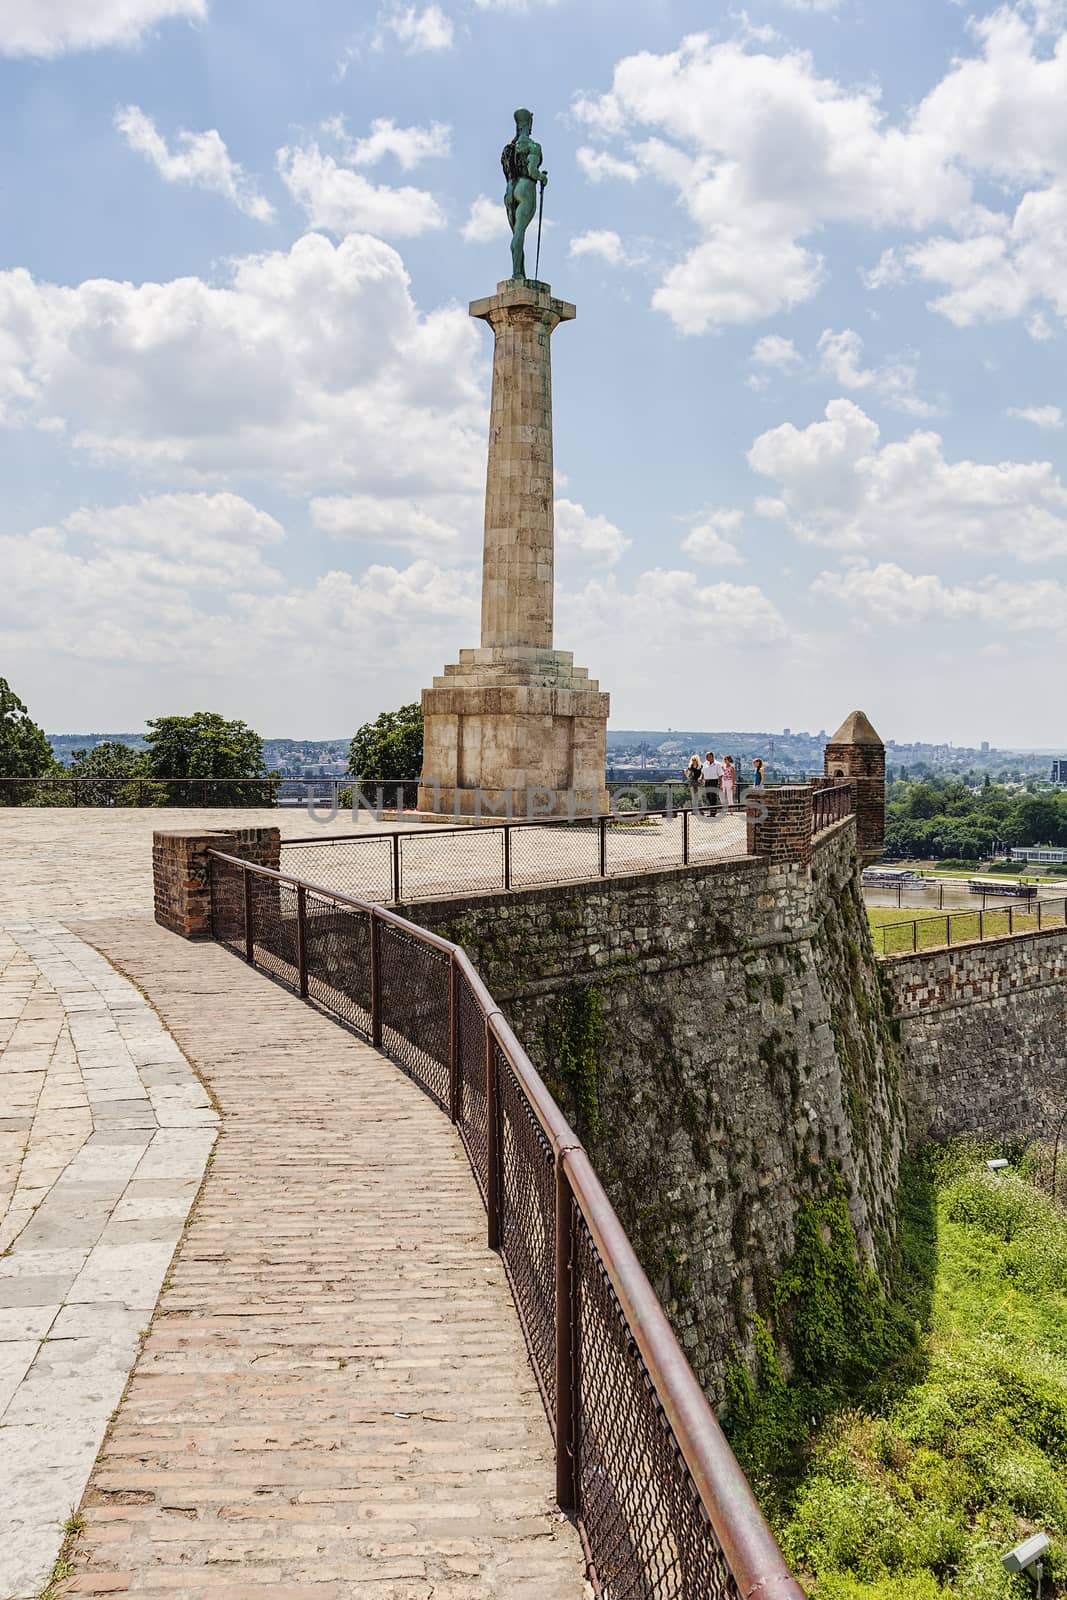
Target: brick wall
(783,832)
(181,875)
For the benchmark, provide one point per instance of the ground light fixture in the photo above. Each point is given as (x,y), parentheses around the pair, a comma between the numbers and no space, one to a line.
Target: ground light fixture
(1026,1557)
(996,1166)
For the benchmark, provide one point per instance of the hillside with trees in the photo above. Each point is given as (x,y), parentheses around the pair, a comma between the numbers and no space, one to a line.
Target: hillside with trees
(936,818)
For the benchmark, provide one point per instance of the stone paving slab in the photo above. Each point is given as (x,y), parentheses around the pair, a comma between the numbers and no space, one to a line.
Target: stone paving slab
(333,1401)
(97,861)
(80,1263)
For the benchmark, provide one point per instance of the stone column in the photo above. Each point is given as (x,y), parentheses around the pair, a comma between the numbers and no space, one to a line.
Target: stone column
(514,727)
(517,570)
(856,752)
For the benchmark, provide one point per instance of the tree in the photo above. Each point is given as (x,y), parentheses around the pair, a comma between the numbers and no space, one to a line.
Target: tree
(115,774)
(205,745)
(389,747)
(24,749)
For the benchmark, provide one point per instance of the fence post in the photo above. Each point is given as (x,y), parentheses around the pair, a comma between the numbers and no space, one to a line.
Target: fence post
(941,897)
(375,982)
(566,1341)
(685,837)
(301,940)
(981,920)
(507,856)
(250,946)
(914,936)
(603,847)
(453,1040)
(492,1140)
(396,866)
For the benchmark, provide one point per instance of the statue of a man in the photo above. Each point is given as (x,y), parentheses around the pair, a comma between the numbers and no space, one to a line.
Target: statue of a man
(521,161)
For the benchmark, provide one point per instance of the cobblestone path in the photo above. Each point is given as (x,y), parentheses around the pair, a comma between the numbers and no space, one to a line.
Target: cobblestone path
(333,1399)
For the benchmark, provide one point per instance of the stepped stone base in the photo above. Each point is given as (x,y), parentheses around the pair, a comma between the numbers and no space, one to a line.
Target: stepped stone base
(520,727)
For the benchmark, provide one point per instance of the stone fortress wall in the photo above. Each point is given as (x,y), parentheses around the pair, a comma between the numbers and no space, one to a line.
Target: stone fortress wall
(982,1031)
(718,1037)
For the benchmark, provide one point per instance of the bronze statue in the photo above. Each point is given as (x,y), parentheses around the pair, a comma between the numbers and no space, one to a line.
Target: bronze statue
(521,161)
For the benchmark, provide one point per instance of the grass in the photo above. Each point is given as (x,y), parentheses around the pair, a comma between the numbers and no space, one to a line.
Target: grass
(893,930)
(914,1490)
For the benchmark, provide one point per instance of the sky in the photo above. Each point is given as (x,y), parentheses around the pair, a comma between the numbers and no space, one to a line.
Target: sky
(810,421)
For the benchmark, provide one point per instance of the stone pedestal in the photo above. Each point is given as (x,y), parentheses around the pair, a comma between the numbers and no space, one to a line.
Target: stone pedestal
(515,725)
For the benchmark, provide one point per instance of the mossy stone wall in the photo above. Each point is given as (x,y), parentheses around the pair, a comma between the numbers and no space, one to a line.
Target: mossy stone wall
(717,1036)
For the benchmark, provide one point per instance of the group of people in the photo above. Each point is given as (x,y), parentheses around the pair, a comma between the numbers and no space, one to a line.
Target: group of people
(713,783)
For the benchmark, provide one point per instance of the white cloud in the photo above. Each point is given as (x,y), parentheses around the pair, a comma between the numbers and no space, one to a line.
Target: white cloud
(312,366)
(417,28)
(600,164)
(841,356)
(342,201)
(433,525)
(775,351)
(85,587)
(487,220)
(201,161)
(767,155)
(589,535)
(410,146)
(49,28)
(664,610)
(713,539)
(893,595)
(602,242)
(763,153)
(839,485)
(1040,416)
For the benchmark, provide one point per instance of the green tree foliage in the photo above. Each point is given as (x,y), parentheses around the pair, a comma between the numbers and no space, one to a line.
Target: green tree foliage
(114,774)
(941,817)
(206,745)
(389,747)
(24,750)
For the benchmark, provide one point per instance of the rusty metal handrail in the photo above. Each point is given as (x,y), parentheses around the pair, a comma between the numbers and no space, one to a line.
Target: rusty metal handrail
(755,1562)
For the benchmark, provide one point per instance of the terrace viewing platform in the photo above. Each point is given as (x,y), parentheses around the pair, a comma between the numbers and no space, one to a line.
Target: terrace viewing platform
(216,1192)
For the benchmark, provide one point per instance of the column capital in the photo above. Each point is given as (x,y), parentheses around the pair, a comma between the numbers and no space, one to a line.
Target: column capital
(522,295)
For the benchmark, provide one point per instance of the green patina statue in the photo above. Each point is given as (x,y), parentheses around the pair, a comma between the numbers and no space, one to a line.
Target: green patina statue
(521,161)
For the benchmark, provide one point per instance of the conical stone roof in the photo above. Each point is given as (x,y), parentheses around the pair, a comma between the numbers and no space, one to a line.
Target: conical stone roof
(856,729)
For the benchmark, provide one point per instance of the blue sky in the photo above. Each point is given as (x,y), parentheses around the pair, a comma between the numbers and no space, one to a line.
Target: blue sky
(810,419)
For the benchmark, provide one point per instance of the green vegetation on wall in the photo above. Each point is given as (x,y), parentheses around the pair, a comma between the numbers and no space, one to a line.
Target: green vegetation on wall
(574,1033)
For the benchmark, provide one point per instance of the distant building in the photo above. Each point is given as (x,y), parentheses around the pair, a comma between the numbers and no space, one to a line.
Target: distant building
(985,747)
(1059,771)
(1031,854)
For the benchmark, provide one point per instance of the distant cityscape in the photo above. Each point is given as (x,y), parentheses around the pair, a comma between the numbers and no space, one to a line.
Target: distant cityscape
(661,753)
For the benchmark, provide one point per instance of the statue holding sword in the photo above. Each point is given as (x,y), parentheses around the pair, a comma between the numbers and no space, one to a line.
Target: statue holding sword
(521,161)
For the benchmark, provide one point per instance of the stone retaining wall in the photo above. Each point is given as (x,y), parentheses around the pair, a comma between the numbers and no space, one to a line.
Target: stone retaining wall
(982,1034)
(716,1034)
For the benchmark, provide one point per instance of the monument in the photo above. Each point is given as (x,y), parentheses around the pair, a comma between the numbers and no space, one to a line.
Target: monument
(515,725)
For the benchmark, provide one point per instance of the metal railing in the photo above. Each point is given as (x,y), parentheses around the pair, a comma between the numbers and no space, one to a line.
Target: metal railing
(662,1507)
(64,789)
(423,863)
(831,804)
(964,927)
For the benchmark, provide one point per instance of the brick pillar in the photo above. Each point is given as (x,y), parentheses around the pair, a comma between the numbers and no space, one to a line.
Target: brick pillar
(181,873)
(856,752)
(783,833)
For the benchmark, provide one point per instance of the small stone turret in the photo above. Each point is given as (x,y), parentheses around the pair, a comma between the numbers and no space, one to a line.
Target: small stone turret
(856,752)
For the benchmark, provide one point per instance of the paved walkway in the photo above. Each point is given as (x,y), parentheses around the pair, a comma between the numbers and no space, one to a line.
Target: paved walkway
(58,861)
(104,1132)
(332,1398)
